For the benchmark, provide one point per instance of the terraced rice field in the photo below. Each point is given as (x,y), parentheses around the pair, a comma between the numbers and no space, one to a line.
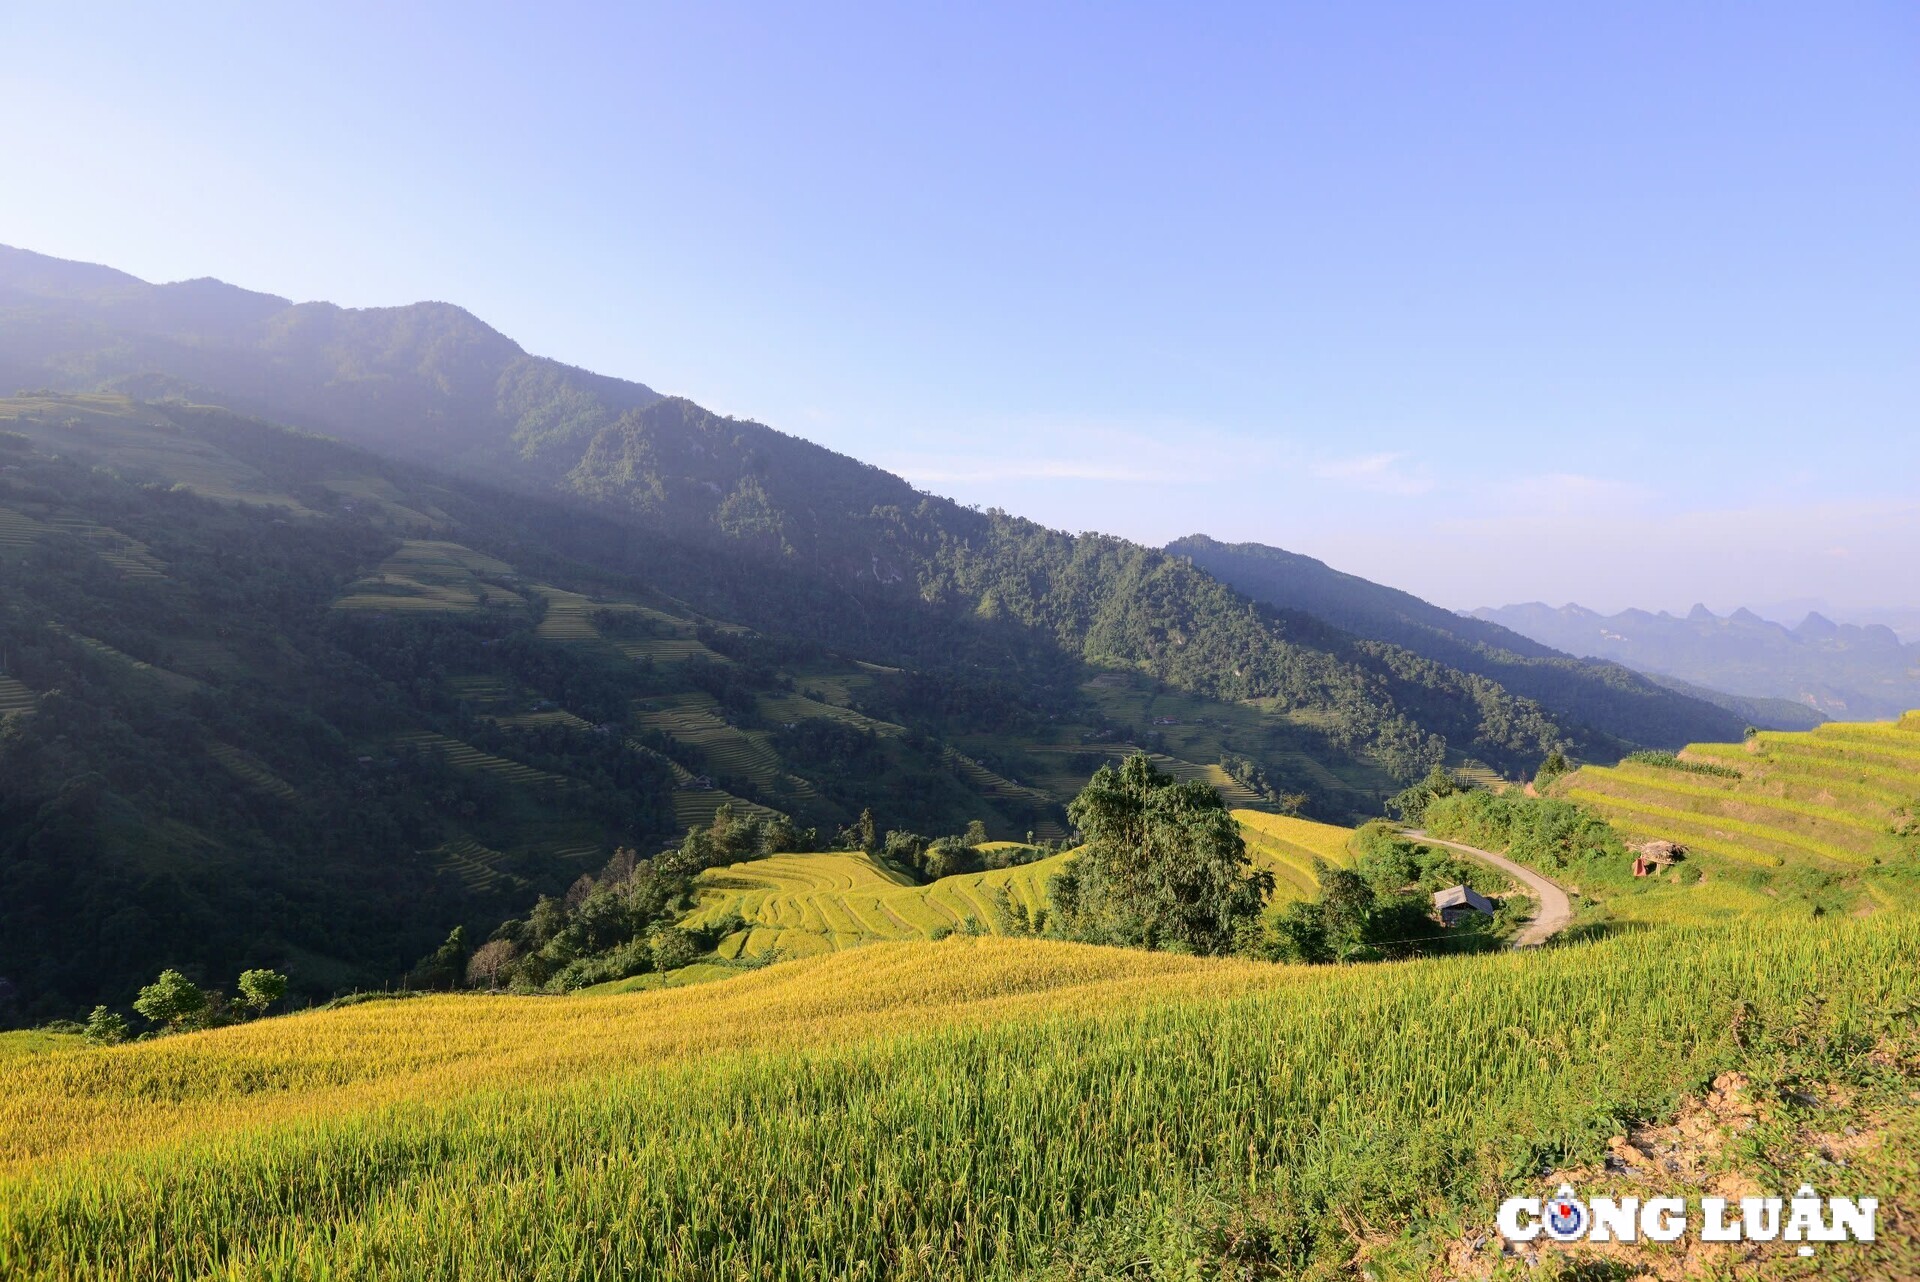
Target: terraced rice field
(696,807)
(1829,798)
(664,650)
(1231,790)
(474,864)
(174,682)
(807,904)
(465,756)
(15,697)
(989,784)
(963,1110)
(569,616)
(694,719)
(798,707)
(1289,847)
(129,556)
(18,531)
(426,576)
(252,772)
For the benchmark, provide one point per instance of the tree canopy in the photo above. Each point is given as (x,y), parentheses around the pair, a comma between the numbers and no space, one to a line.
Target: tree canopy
(1163,866)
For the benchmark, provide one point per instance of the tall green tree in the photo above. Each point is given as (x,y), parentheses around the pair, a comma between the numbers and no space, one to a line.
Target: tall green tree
(1163,866)
(173,1001)
(260,989)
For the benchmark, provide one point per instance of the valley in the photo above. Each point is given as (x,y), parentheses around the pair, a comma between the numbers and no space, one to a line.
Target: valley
(685,851)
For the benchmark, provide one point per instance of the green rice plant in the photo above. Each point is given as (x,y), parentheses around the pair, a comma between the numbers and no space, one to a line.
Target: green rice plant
(1668,761)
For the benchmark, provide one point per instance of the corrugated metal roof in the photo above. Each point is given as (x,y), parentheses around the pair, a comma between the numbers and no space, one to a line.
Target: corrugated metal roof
(1462,897)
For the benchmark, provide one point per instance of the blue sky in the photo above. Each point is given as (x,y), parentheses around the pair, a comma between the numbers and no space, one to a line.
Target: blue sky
(1614,303)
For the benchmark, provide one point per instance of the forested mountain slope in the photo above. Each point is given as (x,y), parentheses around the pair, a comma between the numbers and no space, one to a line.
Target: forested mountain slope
(426,381)
(267,699)
(1600,694)
(433,381)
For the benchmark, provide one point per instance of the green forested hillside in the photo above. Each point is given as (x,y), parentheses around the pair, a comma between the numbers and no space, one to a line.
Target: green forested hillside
(1583,691)
(270,700)
(433,382)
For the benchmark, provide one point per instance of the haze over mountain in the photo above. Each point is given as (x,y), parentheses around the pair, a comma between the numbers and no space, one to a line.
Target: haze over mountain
(1842,671)
(1604,691)
(531,612)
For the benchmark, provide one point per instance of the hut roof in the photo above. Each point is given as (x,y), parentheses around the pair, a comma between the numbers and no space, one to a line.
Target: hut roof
(1462,896)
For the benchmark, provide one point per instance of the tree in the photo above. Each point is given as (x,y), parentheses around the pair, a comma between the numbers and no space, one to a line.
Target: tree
(1411,805)
(447,964)
(488,961)
(105,1028)
(862,834)
(673,948)
(172,1001)
(1346,908)
(260,989)
(1164,865)
(976,834)
(1552,768)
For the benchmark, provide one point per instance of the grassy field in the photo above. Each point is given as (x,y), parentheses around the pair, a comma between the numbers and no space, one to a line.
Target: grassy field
(1071,1110)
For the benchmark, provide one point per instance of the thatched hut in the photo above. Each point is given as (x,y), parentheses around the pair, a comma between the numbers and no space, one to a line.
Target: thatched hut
(1655,856)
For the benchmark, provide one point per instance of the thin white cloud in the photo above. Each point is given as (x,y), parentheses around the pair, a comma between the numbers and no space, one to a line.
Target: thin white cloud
(1380,473)
(972,471)
(1569,493)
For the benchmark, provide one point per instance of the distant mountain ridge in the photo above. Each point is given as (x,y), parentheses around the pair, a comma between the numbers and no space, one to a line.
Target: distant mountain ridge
(1600,693)
(429,381)
(1842,670)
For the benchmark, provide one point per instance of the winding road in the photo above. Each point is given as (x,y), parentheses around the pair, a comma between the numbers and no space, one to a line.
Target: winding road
(1555,910)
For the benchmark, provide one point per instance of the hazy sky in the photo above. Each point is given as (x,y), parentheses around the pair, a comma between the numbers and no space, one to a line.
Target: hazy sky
(1616,303)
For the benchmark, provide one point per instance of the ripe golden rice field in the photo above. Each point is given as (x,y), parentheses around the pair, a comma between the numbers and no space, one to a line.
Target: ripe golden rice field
(968,1108)
(800,905)
(1835,799)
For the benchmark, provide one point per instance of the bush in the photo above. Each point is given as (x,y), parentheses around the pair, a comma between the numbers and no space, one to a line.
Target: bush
(105,1028)
(174,1002)
(259,989)
(1667,761)
(673,948)
(1541,831)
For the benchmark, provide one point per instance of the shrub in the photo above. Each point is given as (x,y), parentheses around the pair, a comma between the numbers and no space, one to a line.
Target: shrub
(1667,761)
(105,1028)
(173,1001)
(673,948)
(259,989)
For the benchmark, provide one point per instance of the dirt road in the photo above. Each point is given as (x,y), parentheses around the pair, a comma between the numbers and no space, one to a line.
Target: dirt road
(1555,910)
